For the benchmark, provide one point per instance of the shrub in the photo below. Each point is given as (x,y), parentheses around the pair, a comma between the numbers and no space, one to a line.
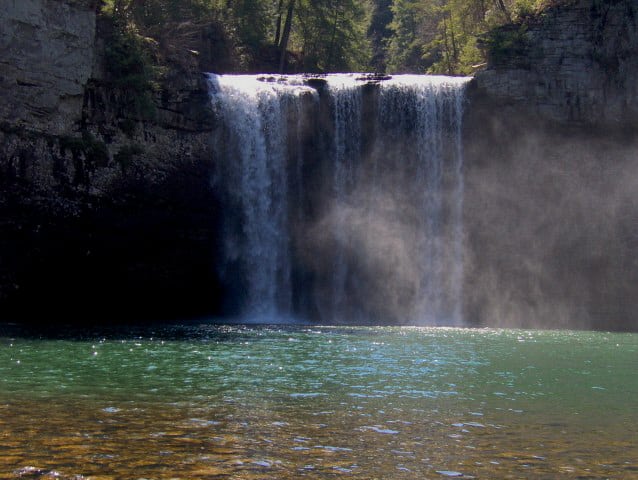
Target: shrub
(130,67)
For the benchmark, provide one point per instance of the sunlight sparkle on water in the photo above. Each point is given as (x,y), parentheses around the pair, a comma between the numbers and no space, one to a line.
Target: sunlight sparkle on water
(288,402)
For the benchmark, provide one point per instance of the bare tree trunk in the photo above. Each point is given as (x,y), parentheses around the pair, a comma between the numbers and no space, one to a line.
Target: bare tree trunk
(503,8)
(483,10)
(286,36)
(455,52)
(280,15)
(446,44)
(333,37)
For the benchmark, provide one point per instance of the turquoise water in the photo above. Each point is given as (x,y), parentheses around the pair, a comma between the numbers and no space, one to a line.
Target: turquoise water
(206,401)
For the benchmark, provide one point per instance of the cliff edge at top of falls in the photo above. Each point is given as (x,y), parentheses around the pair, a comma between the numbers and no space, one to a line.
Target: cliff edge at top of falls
(575,62)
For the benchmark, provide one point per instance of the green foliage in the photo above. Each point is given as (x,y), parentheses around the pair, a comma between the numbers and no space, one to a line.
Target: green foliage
(411,19)
(326,35)
(94,151)
(506,43)
(148,13)
(124,156)
(127,125)
(379,33)
(442,36)
(331,35)
(251,21)
(127,62)
(437,36)
(130,67)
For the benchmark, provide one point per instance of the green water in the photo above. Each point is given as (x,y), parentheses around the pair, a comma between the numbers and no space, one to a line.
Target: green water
(267,402)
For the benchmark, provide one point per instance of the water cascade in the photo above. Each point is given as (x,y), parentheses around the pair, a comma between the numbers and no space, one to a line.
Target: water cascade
(346,98)
(342,197)
(256,178)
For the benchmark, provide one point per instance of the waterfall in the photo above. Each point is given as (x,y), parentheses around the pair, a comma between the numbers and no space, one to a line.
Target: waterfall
(255,169)
(346,104)
(342,196)
(426,112)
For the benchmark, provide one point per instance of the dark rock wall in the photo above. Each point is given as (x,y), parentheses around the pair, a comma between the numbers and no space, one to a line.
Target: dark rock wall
(551,209)
(575,64)
(46,58)
(106,214)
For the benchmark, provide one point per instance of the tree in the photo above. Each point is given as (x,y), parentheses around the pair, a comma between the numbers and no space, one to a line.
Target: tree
(280,14)
(440,36)
(332,34)
(379,33)
(285,37)
(413,26)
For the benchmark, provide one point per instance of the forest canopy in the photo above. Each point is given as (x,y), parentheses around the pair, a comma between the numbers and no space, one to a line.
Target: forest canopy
(385,36)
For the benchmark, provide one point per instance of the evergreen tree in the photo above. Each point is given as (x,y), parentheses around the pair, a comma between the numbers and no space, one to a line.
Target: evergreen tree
(379,32)
(331,35)
(440,36)
(409,36)
(400,36)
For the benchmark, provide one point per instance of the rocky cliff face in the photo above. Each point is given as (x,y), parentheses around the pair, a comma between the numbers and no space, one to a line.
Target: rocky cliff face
(574,63)
(106,212)
(46,53)
(552,157)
